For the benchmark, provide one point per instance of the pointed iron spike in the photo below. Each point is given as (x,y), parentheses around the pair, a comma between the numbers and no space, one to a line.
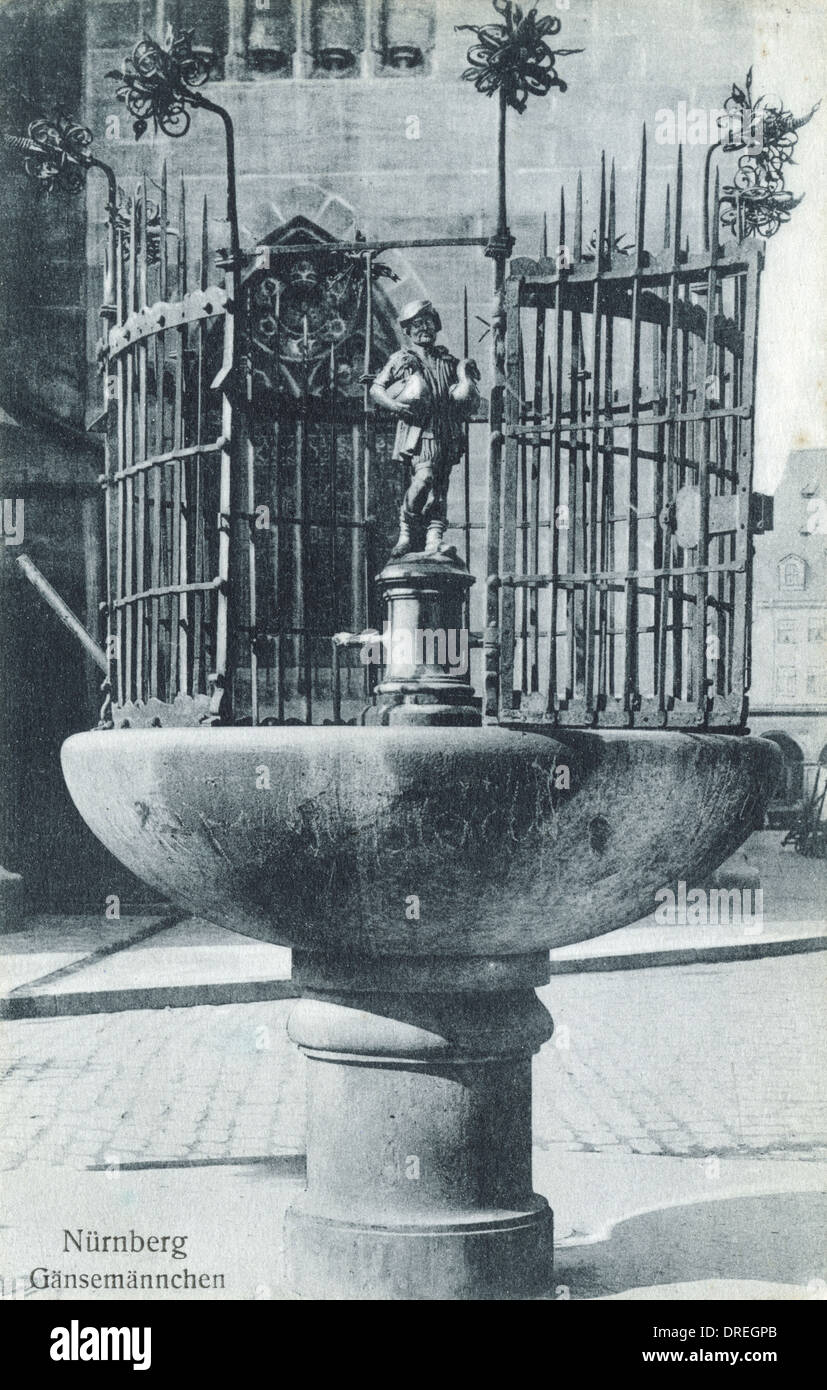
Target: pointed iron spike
(544,238)
(143,248)
(600,250)
(205,245)
(561,236)
(130,300)
(716,212)
(667,219)
(163,211)
(578,220)
(640,200)
(182,237)
(465,338)
(612,231)
(678,228)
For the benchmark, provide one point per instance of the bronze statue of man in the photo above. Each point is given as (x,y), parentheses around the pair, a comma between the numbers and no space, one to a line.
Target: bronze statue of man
(432,393)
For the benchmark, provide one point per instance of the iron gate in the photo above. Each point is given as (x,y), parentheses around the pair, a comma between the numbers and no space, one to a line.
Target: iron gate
(622,520)
(167,493)
(250,492)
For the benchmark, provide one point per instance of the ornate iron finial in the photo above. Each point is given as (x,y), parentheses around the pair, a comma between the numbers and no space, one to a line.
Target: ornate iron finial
(56,153)
(756,203)
(514,57)
(158,82)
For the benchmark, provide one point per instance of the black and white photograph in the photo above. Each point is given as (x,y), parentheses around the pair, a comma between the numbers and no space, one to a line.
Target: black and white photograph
(413,662)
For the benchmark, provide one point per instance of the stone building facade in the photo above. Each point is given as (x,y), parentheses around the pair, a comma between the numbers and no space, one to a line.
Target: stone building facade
(788,698)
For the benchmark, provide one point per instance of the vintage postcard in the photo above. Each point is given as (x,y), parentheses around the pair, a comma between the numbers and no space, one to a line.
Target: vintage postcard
(414,659)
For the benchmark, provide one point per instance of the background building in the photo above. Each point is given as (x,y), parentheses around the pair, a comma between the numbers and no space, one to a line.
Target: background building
(788,698)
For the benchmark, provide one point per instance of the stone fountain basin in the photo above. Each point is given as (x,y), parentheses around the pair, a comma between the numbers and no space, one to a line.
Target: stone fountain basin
(324,838)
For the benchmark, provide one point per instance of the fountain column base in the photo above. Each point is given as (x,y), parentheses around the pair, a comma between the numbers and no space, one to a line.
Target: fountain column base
(419,1145)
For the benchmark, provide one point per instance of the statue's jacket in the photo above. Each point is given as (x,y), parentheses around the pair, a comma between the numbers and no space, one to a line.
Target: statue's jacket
(440,442)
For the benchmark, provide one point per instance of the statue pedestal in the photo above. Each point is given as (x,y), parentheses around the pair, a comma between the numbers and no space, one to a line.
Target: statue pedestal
(427,677)
(419,1134)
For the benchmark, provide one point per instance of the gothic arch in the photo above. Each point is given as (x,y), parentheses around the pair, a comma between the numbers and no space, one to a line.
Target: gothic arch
(307,320)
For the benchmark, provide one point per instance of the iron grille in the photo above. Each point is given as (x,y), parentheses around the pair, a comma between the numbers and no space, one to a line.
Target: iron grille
(621,525)
(250,493)
(167,543)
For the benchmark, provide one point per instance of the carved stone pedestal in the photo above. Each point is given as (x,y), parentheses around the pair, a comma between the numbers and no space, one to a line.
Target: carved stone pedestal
(419,1135)
(418,1026)
(426,678)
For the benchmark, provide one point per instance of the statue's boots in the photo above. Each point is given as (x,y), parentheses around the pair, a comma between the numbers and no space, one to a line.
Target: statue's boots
(433,539)
(405,543)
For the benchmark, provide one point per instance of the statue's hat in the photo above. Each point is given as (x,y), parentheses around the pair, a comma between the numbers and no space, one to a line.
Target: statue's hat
(415,307)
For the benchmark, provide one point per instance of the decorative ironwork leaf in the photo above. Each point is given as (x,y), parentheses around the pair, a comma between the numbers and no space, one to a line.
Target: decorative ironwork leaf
(158,83)
(756,202)
(514,58)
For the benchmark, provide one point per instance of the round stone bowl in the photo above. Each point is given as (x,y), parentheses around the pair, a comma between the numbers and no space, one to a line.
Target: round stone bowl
(369,842)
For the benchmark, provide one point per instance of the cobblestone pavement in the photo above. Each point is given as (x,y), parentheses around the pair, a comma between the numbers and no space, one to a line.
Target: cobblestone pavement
(722,1060)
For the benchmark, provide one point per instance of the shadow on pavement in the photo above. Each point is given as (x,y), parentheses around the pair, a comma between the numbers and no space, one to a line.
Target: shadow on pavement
(775,1238)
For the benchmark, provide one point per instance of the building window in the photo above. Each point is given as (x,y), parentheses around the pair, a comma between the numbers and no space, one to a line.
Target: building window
(322,38)
(405,35)
(786,632)
(786,681)
(271,36)
(816,683)
(817,629)
(206,18)
(791,572)
(337,37)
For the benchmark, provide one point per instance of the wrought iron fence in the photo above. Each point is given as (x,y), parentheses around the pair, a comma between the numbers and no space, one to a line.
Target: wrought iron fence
(251,496)
(624,509)
(167,486)
(248,487)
